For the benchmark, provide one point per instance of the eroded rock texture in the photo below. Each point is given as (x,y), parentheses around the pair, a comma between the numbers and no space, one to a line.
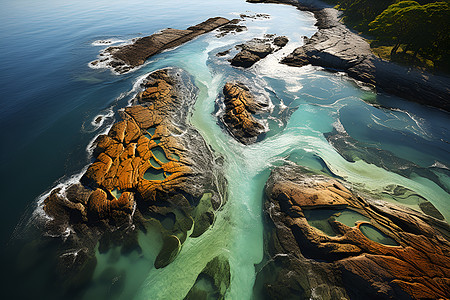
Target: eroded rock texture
(130,56)
(335,47)
(386,252)
(256,49)
(238,117)
(151,165)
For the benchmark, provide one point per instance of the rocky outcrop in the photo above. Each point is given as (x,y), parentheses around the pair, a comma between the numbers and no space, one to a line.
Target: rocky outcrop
(151,164)
(124,58)
(335,47)
(256,49)
(376,250)
(238,117)
(232,27)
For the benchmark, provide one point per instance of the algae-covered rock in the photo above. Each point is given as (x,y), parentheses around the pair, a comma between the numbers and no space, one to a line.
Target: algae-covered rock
(213,281)
(171,247)
(144,169)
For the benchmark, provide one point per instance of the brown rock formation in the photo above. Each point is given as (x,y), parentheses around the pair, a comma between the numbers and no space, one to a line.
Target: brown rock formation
(412,260)
(240,106)
(145,166)
(130,56)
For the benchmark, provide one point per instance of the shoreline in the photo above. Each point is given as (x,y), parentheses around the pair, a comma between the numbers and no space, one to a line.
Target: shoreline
(335,47)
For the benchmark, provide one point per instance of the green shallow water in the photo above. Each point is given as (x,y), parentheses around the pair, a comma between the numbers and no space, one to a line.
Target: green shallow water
(159,153)
(321,218)
(376,235)
(153,174)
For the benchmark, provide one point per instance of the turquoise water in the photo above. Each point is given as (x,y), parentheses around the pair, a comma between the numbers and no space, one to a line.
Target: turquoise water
(116,193)
(153,174)
(50,99)
(376,235)
(322,218)
(159,153)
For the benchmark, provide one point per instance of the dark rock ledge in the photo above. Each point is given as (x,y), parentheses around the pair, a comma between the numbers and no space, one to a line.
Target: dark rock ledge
(335,47)
(151,169)
(256,49)
(312,254)
(124,58)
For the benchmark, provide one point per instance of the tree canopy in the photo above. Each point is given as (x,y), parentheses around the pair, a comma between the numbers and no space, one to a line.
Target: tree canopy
(423,28)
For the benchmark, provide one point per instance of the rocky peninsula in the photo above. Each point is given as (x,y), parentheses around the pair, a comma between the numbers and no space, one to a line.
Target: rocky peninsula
(151,168)
(327,242)
(124,58)
(335,47)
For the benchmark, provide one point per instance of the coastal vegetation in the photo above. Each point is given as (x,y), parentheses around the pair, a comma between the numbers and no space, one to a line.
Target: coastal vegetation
(409,32)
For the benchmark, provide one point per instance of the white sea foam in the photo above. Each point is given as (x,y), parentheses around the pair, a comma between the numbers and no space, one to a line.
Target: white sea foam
(39,214)
(438,164)
(271,67)
(339,127)
(107,42)
(105,58)
(110,112)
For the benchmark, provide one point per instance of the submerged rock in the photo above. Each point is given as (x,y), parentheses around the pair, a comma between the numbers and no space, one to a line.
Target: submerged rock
(238,117)
(213,281)
(398,254)
(152,163)
(124,58)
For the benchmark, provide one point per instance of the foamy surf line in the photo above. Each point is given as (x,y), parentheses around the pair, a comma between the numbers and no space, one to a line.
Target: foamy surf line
(107,42)
(39,215)
(105,58)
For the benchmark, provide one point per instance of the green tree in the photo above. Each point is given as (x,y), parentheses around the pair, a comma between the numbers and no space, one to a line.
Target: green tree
(437,47)
(387,25)
(361,12)
(420,28)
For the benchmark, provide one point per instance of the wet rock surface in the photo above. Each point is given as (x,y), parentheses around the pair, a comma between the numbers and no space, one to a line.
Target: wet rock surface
(232,27)
(152,165)
(335,47)
(256,49)
(239,110)
(125,58)
(388,252)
